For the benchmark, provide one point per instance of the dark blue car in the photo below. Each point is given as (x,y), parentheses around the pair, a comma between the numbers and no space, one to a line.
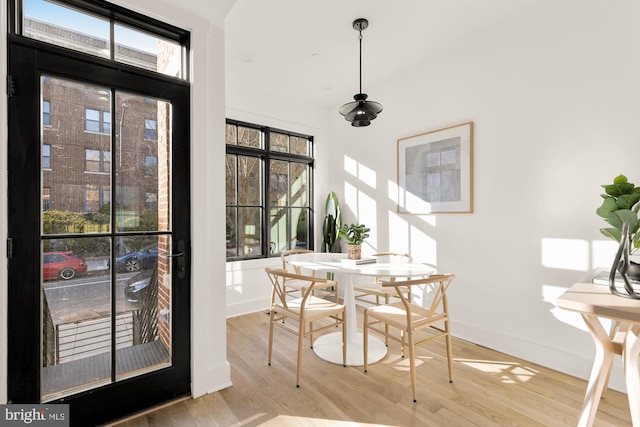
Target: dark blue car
(146,257)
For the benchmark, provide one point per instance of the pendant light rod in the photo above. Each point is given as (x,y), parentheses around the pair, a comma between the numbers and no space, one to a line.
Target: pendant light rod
(360,25)
(360,112)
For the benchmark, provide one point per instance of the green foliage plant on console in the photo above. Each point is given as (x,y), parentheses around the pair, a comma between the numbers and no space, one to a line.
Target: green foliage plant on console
(621,205)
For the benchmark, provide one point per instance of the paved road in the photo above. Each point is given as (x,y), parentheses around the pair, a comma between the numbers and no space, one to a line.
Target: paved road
(85,296)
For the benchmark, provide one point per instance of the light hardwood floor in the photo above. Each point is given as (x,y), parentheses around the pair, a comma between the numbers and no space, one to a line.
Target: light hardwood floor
(489,389)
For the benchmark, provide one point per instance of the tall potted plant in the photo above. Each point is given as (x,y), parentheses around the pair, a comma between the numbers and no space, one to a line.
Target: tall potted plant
(621,205)
(355,234)
(331,225)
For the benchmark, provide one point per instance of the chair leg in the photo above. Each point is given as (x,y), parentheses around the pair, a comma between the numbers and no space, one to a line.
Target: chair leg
(386,325)
(412,364)
(299,362)
(311,334)
(449,351)
(344,338)
(402,341)
(271,320)
(365,339)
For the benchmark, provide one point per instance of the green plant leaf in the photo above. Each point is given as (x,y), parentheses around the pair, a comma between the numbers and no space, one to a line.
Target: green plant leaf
(611,233)
(616,190)
(618,217)
(627,201)
(608,205)
(620,179)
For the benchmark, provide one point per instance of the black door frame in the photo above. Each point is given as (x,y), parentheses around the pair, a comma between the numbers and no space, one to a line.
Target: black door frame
(27,61)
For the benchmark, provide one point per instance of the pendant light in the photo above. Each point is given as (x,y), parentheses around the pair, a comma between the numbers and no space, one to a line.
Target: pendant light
(360,112)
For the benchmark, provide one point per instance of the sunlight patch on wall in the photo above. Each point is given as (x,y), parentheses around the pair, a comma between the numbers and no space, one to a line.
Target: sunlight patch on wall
(234,279)
(398,234)
(423,247)
(392,191)
(566,254)
(351,166)
(364,210)
(366,175)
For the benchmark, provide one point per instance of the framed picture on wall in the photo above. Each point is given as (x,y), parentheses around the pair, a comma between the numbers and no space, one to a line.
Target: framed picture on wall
(435,171)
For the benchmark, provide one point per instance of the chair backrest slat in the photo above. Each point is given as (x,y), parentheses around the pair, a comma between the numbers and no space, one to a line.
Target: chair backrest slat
(442,282)
(279,279)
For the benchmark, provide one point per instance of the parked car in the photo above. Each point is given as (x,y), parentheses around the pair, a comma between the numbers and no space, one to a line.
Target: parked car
(146,257)
(63,265)
(137,286)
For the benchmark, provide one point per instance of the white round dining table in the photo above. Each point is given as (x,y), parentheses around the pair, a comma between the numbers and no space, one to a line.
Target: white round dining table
(329,346)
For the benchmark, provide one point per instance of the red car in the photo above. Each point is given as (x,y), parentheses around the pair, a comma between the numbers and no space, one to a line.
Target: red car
(63,265)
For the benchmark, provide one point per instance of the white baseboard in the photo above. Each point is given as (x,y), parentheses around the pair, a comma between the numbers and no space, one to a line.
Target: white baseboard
(558,359)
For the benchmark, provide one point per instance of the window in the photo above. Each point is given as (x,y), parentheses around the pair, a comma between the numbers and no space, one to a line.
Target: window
(268,188)
(97,161)
(46,156)
(150,161)
(151,201)
(100,34)
(46,113)
(97,121)
(46,199)
(151,129)
(95,198)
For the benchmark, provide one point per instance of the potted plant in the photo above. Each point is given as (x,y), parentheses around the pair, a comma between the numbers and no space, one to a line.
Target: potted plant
(331,225)
(355,234)
(621,205)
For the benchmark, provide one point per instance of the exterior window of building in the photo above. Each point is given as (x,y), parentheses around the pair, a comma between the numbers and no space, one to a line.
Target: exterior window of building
(46,156)
(97,161)
(151,129)
(268,189)
(150,161)
(152,201)
(97,121)
(46,113)
(46,199)
(95,198)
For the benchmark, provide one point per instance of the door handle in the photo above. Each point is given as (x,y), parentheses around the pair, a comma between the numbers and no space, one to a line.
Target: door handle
(181,259)
(168,255)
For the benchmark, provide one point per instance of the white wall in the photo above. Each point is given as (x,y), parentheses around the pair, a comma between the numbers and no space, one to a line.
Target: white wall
(554,98)
(210,370)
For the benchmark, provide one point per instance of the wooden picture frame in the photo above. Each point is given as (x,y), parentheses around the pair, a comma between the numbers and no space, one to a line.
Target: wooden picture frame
(435,171)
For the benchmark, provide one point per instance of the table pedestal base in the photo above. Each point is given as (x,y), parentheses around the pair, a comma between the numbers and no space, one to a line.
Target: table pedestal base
(329,348)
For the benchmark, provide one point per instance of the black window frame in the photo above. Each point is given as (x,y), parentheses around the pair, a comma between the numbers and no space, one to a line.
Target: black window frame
(265,156)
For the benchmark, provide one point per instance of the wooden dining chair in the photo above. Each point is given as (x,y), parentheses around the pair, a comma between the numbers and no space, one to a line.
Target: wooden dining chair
(303,312)
(364,291)
(432,322)
(295,287)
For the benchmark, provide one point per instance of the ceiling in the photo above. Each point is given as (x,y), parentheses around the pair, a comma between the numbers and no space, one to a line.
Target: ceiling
(308,49)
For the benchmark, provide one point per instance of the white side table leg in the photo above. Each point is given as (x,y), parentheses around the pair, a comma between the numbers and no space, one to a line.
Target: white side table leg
(630,356)
(605,353)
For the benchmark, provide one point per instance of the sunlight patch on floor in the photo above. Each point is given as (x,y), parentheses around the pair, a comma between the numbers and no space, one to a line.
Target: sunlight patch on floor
(293,421)
(509,372)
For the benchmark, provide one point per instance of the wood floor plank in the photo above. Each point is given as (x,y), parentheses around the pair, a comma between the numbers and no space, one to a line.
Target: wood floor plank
(489,389)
